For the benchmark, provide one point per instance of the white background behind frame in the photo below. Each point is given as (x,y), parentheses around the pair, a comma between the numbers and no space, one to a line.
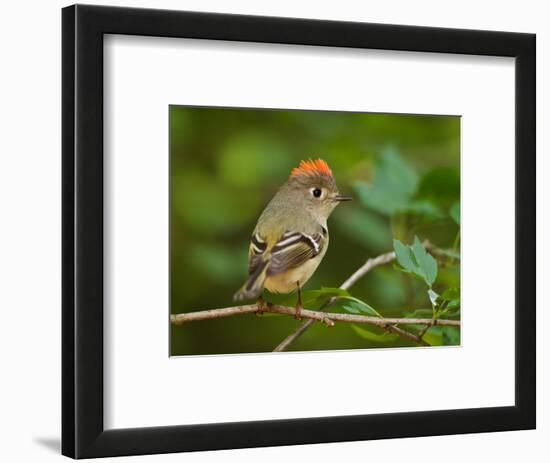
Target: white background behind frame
(145,75)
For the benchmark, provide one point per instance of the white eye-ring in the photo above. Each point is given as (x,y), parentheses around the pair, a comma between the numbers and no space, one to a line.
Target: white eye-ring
(316,192)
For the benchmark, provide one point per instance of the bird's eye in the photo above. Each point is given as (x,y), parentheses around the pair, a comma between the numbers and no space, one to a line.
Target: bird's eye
(317,192)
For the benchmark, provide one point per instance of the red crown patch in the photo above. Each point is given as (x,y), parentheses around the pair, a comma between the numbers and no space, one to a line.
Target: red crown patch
(311,167)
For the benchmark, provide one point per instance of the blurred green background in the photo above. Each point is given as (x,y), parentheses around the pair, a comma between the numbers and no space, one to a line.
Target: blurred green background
(226,164)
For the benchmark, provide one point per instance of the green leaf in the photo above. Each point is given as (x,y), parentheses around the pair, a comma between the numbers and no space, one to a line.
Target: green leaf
(374,337)
(352,308)
(419,313)
(393,185)
(334,291)
(404,256)
(358,306)
(416,260)
(394,172)
(322,295)
(450,253)
(453,312)
(433,337)
(454,212)
(425,261)
(454,304)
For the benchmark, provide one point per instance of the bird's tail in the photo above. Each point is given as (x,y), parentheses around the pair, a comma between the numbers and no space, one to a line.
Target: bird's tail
(254,286)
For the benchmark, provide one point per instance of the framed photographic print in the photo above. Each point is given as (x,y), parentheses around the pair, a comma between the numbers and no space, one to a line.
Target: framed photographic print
(284,231)
(212,221)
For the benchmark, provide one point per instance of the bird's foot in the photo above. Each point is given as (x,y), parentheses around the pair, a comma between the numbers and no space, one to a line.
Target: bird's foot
(261,306)
(298,313)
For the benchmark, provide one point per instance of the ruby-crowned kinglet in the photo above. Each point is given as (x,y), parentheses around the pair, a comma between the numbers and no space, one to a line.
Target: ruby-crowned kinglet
(291,236)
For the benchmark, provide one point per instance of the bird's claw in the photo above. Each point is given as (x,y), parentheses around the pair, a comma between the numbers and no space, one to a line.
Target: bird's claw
(297,314)
(261,306)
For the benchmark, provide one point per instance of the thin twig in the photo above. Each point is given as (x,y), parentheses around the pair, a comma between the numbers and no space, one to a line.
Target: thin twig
(426,328)
(369,265)
(406,334)
(438,252)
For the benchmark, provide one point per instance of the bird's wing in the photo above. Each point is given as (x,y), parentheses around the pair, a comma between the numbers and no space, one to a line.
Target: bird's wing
(258,262)
(256,253)
(293,250)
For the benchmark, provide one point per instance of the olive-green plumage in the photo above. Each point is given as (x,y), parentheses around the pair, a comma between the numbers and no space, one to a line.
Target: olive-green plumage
(291,236)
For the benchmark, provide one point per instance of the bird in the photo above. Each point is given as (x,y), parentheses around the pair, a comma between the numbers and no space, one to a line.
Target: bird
(291,235)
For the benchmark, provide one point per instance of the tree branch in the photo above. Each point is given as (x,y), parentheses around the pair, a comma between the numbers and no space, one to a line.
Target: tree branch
(369,265)
(313,315)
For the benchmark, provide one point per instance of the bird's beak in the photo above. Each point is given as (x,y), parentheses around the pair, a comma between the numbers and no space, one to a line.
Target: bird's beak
(342,198)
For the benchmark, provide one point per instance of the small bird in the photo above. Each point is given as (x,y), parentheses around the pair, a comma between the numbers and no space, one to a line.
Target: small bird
(291,236)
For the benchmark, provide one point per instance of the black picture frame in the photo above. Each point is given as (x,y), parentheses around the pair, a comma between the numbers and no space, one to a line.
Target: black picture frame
(83,433)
